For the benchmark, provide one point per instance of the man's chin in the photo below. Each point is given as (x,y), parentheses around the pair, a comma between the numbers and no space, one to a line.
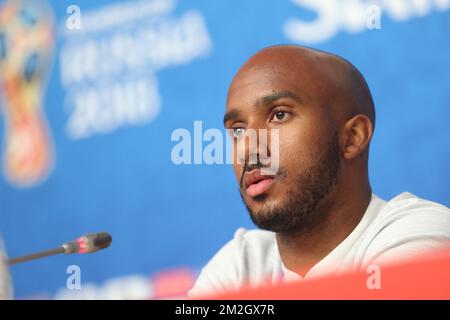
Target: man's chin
(262,206)
(257,204)
(264,220)
(268,212)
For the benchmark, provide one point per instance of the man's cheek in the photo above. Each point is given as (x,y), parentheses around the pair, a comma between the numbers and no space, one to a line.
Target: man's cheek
(238,171)
(289,151)
(296,148)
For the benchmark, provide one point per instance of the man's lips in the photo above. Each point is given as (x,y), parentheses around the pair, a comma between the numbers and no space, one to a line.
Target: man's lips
(255,183)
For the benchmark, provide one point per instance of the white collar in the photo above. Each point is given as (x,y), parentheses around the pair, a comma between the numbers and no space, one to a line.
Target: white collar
(335,259)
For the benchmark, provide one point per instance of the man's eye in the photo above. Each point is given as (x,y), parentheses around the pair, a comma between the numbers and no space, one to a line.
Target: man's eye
(279,116)
(238,132)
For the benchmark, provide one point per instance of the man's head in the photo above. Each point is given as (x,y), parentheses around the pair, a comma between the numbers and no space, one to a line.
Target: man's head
(324,113)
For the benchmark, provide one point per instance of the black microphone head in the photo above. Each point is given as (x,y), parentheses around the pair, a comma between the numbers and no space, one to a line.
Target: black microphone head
(89,243)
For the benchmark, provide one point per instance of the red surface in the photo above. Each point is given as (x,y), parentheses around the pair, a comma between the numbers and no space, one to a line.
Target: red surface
(424,278)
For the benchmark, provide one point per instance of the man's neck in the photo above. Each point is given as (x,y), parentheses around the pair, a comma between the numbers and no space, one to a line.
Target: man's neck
(300,251)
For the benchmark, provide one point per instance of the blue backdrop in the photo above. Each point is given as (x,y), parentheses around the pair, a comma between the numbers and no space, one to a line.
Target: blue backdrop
(127,74)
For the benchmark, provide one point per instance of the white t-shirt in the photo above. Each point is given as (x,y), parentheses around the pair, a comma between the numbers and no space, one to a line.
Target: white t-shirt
(388,232)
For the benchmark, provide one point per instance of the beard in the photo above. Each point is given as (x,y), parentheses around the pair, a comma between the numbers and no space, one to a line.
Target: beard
(305,204)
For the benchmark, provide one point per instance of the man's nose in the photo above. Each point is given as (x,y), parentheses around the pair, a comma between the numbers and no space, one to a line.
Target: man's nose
(252,147)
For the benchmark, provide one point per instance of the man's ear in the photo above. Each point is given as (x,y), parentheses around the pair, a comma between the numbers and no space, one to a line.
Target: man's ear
(358,132)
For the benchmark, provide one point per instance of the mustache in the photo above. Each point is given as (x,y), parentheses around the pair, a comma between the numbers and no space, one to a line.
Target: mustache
(249,167)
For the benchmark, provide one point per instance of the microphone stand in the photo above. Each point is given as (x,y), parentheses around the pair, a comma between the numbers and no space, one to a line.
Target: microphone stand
(38,255)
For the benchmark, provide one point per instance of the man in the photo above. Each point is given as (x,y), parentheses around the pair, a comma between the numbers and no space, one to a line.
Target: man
(318,211)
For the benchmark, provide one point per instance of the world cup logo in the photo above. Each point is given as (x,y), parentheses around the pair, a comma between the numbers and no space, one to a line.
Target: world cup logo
(27,40)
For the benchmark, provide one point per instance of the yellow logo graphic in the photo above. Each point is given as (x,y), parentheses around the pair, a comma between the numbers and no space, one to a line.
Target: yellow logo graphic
(26,51)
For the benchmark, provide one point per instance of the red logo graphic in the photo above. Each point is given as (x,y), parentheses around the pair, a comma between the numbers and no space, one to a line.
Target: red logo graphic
(26,52)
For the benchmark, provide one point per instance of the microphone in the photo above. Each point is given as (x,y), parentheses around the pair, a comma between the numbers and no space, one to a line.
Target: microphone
(88,243)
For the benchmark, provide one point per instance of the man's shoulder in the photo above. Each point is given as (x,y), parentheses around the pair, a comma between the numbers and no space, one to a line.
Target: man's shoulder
(409,199)
(407,225)
(249,255)
(408,207)
(245,249)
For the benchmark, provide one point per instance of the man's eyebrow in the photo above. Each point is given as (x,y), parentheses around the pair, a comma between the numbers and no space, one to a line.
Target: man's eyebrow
(277,96)
(230,115)
(266,100)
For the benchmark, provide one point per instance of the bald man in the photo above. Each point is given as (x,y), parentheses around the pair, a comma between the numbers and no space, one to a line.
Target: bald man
(318,214)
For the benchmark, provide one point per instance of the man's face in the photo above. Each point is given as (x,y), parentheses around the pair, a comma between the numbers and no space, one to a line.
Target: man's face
(267,97)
